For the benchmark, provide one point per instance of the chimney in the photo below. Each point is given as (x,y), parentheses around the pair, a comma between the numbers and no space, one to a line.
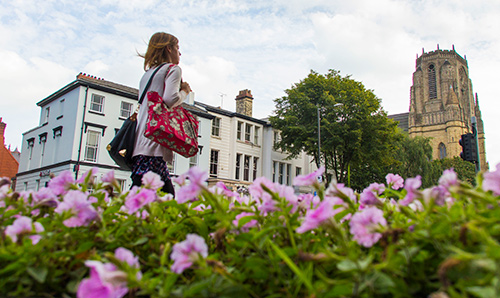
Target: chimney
(2,131)
(244,102)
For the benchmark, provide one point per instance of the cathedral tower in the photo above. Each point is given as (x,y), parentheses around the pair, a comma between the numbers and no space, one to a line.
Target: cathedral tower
(442,104)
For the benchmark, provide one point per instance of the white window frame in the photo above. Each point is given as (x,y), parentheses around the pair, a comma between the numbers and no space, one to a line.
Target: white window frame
(124,111)
(248,132)
(193,161)
(94,104)
(239,127)
(255,167)
(237,173)
(95,147)
(246,167)
(256,135)
(214,163)
(216,124)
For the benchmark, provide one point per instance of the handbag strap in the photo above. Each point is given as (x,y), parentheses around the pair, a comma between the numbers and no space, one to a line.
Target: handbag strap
(151,80)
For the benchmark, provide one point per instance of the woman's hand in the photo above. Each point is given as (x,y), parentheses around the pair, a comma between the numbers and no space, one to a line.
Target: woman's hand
(185,86)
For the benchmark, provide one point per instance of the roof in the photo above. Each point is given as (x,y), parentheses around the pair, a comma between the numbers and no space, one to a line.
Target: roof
(402,120)
(93,82)
(227,113)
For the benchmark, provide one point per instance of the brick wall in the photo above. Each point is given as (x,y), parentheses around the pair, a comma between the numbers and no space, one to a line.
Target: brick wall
(8,164)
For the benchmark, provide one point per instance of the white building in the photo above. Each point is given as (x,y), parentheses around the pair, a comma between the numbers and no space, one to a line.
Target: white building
(78,121)
(76,124)
(241,148)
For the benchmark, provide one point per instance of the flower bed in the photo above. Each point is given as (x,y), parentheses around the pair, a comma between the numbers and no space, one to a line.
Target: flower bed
(77,238)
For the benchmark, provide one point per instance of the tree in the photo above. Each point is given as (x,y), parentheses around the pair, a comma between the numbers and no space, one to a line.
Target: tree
(466,171)
(356,135)
(414,156)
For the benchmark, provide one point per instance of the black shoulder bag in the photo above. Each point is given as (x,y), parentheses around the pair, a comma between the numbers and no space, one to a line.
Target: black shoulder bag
(122,146)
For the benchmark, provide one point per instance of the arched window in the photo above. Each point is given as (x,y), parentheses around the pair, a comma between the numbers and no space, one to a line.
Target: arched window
(442,151)
(431,72)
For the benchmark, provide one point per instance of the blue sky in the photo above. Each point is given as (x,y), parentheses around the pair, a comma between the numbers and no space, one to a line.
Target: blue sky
(228,45)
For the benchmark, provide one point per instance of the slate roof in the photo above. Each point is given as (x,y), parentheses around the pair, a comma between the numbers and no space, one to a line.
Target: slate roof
(402,120)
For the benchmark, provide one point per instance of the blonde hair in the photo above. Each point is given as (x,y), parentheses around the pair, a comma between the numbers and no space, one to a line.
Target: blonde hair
(157,52)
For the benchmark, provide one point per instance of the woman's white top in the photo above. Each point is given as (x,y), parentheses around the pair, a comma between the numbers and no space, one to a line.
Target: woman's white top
(168,88)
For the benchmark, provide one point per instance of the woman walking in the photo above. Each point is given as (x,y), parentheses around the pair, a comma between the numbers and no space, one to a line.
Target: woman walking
(163,52)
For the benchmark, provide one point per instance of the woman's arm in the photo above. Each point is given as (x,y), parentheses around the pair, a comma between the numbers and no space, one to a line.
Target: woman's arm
(172,95)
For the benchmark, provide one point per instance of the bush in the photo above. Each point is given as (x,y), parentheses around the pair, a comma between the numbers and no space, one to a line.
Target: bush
(78,238)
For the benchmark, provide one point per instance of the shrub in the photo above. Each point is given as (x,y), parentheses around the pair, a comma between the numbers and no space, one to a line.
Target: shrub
(86,239)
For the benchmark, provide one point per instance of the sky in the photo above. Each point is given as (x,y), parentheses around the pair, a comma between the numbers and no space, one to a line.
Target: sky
(230,45)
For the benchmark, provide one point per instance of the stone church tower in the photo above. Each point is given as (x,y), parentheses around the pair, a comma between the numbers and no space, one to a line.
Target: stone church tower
(442,104)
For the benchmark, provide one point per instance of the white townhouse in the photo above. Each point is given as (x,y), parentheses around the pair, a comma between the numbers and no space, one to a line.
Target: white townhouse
(76,124)
(242,148)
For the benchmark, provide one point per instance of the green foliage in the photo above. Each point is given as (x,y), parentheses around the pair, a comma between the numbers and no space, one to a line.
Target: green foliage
(356,136)
(425,248)
(414,157)
(466,171)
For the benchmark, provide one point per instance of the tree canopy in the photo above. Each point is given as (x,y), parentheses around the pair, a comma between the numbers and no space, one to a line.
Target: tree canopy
(357,138)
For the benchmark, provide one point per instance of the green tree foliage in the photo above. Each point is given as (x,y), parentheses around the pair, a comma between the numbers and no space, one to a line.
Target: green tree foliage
(414,157)
(466,171)
(356,135)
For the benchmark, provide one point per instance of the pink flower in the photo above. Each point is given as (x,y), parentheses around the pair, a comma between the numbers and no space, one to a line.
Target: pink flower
(226,191)
(364,225)
(246,227)
(152,181)
(24,225)
(127,256)
(315,217)
(394,181)
(109,177)
(187,252)
(310,179)
(136,200)
(180,180)
(62,183)
(287,192)
(449,178)
(437,193)
(89,175)
(369,194)
(411,186)
(45,197)
(105,281)
(191,191)
(78,204)
(492,181)
(340,191)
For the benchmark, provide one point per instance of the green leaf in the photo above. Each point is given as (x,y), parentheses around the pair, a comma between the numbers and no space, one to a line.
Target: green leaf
(292,266)
(112,209)
(140,241)
(483,292)
(84,247)
(38,273)
(347,265)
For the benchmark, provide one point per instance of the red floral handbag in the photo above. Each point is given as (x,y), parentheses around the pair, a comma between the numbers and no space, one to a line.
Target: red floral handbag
(173,128)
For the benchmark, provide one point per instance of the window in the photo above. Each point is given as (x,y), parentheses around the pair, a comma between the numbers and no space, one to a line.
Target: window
(281,172)
(193,161)
(61,108)
(46,115)
(275,166)
(57,132)
(246,168)
(31,144)
(97,103)
(238,167)
(43,141)
(37,184)
(442,151)
(248,132)
(25,185)
(92,145)
(256,135)
(288,172)
(255,163)
(298,171)
(216,127)
(126,109)
(122,183)
(432,81)
(214,163)
(238,130)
